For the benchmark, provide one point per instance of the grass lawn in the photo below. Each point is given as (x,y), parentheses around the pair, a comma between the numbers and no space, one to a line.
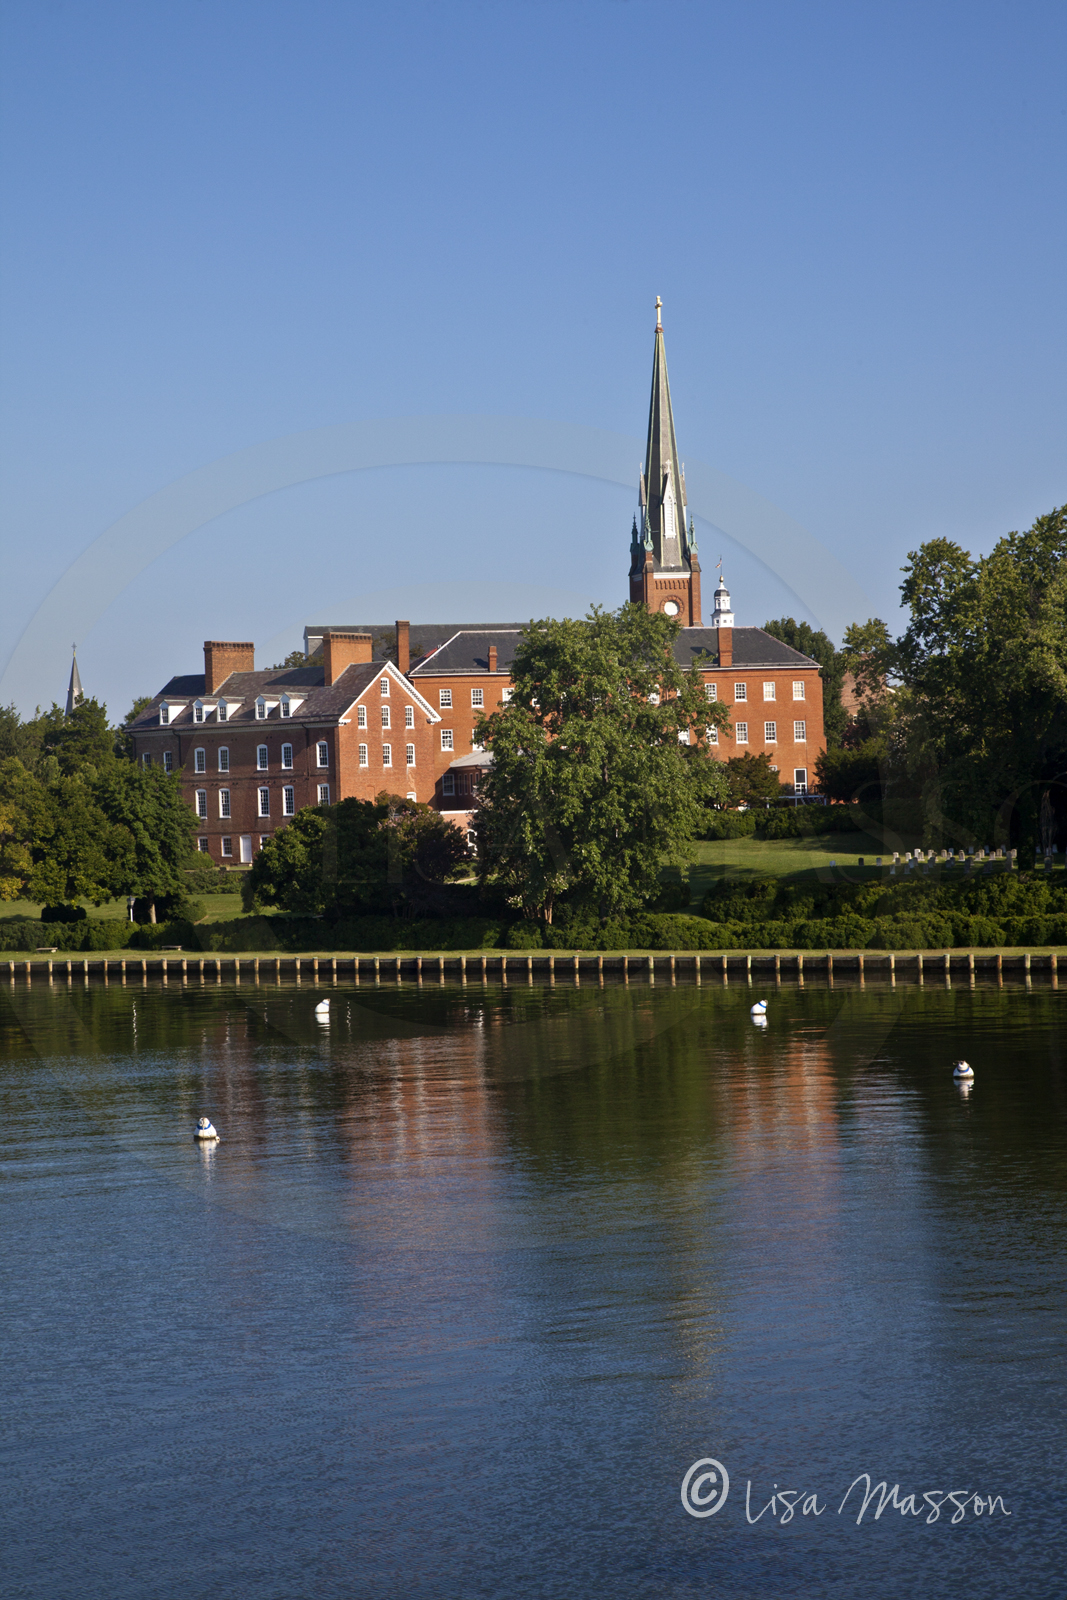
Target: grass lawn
(217,908)
(800,859)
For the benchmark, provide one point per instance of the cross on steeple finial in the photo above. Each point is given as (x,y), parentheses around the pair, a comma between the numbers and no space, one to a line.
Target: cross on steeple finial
(659,308)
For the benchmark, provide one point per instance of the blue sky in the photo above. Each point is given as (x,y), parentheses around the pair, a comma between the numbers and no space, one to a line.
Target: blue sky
(227,223)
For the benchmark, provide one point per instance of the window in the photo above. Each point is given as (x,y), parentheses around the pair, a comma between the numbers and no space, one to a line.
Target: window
(448,783)
(710,692)
(653,699)
(800,780)
(146,759)
(799,689)
(409,716)
(387,755)
(261,709)
(324,794)
(410,754)
(363,755)
(284,706)
(713,735)
(384,685)
(740,691)
(772,769)
(361,716)
(199,760)
(741,732)
(323,753)
(478,698)
(264,802)
(227,847)
(445,698)
(800,732)
(198,711)
(164,713)
(201,845)
(508,692)
(287,757)
(683,736)
(224,802)
(261,758)
(223,713)
(224,758)
(201,803)
(768,691)
(264,838)
(168,761)
(770,732)
(446,739)
(385,716)
(289,801)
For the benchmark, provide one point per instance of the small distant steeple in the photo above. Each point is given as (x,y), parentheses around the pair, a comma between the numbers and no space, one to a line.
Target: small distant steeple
(74,689)
(724,614)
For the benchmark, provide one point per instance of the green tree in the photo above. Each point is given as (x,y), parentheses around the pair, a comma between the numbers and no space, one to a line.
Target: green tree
(150,831)
(751,780)
(82,740)
(123,743)
(18,739)
(832,668)
(600,772)
(69,840)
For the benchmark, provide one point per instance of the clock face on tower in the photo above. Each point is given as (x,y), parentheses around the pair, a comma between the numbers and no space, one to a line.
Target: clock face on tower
(671,607)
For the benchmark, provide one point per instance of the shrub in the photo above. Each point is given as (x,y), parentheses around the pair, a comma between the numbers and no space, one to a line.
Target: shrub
(63,913)
(729,825)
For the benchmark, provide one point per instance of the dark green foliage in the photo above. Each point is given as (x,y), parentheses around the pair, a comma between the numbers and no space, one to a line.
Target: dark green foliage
(750,780)
(853,772)
(19,740)
(84,739)
(152,830)
(809,822)
(728,825)
(63,913)
(816,644)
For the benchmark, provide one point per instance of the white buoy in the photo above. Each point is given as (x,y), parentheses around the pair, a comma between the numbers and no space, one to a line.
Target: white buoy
(759,1020)
(962,1069)
(323,1008)
(760,1008)
(204,1130)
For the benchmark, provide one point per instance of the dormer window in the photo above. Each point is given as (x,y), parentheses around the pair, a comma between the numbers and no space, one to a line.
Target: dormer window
(261,709)
(285,705)
(198,711)
(224,711)
(164,713)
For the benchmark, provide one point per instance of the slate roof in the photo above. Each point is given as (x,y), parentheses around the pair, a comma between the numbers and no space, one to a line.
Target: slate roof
(468,651)
(422,636)
(319,702)
(752,648)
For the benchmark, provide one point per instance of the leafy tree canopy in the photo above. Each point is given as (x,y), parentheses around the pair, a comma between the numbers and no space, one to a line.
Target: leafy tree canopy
(751,781)
(600,771)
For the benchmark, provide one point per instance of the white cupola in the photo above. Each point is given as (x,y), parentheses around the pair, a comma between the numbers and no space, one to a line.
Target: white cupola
(724,616)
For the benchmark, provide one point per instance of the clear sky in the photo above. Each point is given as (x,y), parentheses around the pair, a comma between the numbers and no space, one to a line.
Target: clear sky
(228,222)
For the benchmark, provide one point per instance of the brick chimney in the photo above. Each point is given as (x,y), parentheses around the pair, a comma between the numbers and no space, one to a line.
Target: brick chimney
(341,650)
(726,646)
(221,658)
(403,646)
(723,622)
(492,658)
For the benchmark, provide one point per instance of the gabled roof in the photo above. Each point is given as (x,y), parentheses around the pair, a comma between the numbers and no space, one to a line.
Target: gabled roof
(752,648)
(468,651)
(319,702)
(422,636)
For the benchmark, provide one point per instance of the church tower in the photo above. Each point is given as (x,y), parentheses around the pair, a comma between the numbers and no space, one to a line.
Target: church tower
(664,569)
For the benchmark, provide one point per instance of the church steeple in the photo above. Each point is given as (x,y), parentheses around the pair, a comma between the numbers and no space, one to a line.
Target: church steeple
(74,688)
(665,571)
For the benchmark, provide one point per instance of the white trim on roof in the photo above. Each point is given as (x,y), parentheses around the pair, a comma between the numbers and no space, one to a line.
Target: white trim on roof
(387,669)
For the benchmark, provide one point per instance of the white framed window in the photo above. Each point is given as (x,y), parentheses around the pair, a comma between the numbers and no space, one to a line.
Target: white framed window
(323,753)
(383,685)
(264,838)
(713,734)
(800,689)
(800,780)
(264,802)
(710,692)
(683,736)
(409,716)
(477,698)
(289,801)
(201,804)
(146,759)
(261,709)
(199,760)
(287,757)
(507,693)
(284,705)
(770,733)
(201,845)
(800,732)
(385,716)
(363,755)
(448,783)
(261,758)
(741,732)
(653,699)
(198,711)
(361,716)
(168,761)
(387,755)
(447,742)
(769,691)
(224,758)
(164,713)
(324,794)
(412,795)
(222,713)
(772,769)
(227,847)
(409,750)
(224,802)
(740,691)
(445,699)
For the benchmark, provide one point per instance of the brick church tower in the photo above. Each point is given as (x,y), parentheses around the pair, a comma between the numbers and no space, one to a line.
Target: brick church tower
(664,569)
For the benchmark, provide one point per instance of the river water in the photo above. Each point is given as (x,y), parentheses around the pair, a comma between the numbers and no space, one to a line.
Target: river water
(475,1275)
